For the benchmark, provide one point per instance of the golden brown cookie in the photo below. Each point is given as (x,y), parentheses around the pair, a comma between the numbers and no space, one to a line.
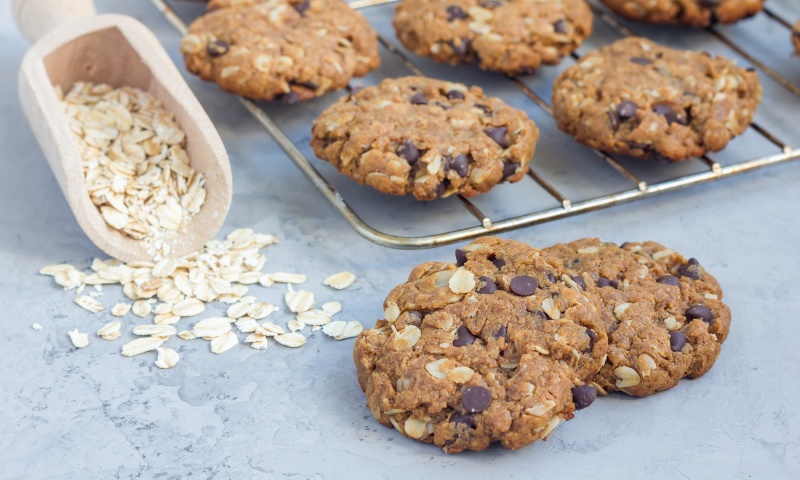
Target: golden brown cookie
(288,50)
(496,347)
(645,100)
(425,137)
(510,36)
(696,13)
(664,314)
(796,37)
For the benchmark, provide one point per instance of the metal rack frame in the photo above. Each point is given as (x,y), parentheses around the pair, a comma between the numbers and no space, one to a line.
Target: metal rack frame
(486,226)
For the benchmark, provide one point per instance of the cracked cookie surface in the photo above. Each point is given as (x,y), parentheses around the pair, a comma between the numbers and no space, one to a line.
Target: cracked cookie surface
(510,36)
(425,137)
(695,13)
(287,50)
(494,347)
(663,313)
(645,100)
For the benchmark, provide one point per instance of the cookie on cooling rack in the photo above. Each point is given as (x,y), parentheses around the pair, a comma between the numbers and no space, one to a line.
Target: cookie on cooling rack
(289,50)
(425,137)
(510,36)
(796,37)
(696,13)
(495,347)
(664,313)
(635,97)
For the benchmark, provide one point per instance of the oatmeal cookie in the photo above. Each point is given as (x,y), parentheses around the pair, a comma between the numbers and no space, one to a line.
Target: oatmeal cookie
(287,50)
(663,313)
(495,347)
(425,137)
(638,98)
(510,36)
(695,13)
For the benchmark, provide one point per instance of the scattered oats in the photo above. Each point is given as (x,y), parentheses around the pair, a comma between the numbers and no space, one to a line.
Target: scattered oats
(246,325)
(141,308)
(110,331)
(78,339)
(259,343)
(36,326)
(332,308)
(299,301)
(186,335)
(265,281)
(239,309)
(166,319)
(155,330)
(120,309)
(462,281)
(88,303)
(293,339)
(269,329)
(249,278)
(188,307)
(223,343)
(261,310)
(314,317)
(167,357)
(316,328)
(141,345)
(163,308)
(295,325)
(212,327)
(164,268)
(282,277)
(340,280)
(52,270)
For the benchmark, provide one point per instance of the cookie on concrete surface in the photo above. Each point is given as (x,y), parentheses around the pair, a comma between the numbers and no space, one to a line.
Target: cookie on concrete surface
(664,314)
(510,36)
(425,137)
(494,347)
(696,13)
(635,97)
(289,50)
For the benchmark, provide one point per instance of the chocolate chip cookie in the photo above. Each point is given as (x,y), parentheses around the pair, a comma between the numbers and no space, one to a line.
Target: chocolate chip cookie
(494,347)
(664,314)
(425,137)
(696,13)
(642,99)
(287,50)
(510,36)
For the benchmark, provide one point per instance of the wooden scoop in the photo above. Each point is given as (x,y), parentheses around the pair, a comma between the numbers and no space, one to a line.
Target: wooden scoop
(71,44)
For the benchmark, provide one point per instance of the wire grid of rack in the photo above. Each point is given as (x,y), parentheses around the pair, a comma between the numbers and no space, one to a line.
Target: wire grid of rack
(639,189)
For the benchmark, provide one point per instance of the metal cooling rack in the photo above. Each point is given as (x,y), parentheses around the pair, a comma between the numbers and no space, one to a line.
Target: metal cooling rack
(639,189)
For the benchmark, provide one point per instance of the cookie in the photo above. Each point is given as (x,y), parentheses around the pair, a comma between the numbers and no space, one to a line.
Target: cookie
(663,313)
(510,36)
(635,97)
(287,50)
(425,137)
(796,37)
(695,13)
(493,348)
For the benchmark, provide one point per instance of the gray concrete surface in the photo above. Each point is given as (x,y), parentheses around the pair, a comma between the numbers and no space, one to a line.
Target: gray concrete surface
(283,413)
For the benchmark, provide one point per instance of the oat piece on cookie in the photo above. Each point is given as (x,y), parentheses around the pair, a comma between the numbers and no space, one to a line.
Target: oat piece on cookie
(510,36)
(494,347)
(425,137)
(695,13)
(664,314)
(642,99)
(287,50)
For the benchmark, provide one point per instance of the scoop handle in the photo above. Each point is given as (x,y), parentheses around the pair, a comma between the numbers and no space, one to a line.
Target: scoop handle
(36,18)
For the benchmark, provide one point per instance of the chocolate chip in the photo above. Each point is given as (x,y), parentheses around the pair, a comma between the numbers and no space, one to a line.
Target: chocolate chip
(440,189)
(463,419)
(670,280)
(501,332)
(454,95)
(605,282)
(691,269)
(541,314)
(583,396)
(418,99)
(509,169)
(579,280)
(288,98)
(627,109)
(463,337)
(499,262)
(676,341)
(498,134)
(461,257)
(462,49)
(490,4)
(455,12)
(523,285)
(418,315)
(640,146)
(641,60)
(708,3)
(409,152)
(551,277)
(560,26)
(484,108)
(308,85)
(488,287)
(615,122)
(670,115)
(459,164)
(592,338)
(700,311)
(302,6)
(660,158)
(217,48)
(476,399)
